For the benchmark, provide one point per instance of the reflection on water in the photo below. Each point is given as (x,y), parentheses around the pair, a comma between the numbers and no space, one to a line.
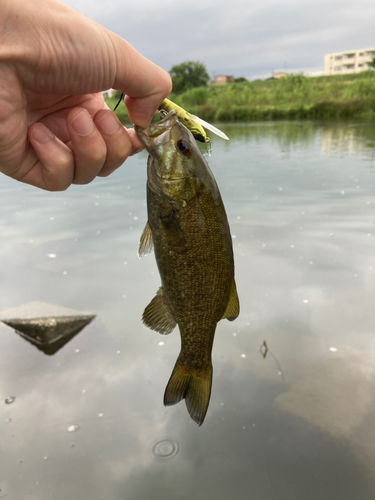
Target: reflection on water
(296,423)
(334,137)
(354,139)
(46,326)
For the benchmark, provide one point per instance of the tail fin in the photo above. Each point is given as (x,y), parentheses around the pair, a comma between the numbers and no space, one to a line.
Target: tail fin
(192,385)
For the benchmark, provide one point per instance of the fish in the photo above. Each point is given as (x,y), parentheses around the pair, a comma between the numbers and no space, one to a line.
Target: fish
(188,230)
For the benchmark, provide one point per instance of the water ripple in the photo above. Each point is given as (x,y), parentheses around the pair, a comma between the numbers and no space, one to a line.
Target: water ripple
(165,449)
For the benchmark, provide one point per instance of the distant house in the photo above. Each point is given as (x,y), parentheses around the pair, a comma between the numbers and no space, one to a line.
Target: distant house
(352,61)
(279,75)
(224,79)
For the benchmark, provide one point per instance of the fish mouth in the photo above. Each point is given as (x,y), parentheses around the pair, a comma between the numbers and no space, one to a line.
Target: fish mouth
(157,134)
(157,128)
(167,116)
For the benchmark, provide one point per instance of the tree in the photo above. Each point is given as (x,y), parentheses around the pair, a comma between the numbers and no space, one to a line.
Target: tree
(240,79)
(188,75)
(372,63)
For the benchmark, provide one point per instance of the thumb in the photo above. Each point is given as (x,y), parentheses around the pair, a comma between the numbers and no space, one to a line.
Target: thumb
(144,84)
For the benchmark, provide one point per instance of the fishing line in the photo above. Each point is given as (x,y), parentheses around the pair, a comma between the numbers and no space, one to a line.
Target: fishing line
(208,149)
(280,371)
(118,102)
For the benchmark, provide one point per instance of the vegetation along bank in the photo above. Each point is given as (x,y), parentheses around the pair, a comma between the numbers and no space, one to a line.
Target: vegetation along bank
(293,97)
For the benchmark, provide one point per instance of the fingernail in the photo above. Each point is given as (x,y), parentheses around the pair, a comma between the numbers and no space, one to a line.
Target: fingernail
(109,124)
(41,133)
(83,123)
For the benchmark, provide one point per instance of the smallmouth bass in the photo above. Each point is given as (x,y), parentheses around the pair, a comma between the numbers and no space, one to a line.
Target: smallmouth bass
(188,229)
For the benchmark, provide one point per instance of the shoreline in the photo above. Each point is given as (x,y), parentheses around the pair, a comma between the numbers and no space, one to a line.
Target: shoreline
(295,97)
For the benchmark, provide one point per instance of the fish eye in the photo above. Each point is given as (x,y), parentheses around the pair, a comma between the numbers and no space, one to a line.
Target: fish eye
(183,147)
(199,137)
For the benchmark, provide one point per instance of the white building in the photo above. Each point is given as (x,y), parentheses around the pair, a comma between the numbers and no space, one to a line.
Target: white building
(352,61)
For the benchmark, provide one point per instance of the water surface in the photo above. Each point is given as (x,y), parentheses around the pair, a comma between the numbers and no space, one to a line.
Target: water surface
(89,422)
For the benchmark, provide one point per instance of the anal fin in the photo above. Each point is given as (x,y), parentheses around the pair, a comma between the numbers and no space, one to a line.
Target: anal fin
(158,316)
(233,306)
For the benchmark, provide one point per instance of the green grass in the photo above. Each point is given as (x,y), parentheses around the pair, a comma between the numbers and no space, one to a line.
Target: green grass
(293,97)
(120,111)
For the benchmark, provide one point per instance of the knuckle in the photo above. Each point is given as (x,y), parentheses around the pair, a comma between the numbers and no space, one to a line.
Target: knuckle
(59,177)
(118,156)
(122,153)
(97,155)
(60,187)
(88,162)
(96,159)
(110,167)
(106,172)
(64,162)
(57,182)
(119,149)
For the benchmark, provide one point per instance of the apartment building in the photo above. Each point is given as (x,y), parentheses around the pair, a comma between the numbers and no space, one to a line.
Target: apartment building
(352,61)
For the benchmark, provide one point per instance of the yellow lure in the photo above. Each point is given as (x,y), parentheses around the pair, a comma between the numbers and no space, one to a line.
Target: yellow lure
(186,119)
(191,122)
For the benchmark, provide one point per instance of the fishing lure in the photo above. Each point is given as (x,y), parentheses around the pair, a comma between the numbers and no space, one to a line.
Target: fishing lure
(195,124)
(192,122)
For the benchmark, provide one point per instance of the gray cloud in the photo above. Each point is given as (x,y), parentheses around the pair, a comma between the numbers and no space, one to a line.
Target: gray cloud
(238,37)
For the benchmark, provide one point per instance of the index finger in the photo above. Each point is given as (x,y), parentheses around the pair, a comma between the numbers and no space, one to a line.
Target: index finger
(144,84)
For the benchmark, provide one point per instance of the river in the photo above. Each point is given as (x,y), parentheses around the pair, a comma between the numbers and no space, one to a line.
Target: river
(294,422)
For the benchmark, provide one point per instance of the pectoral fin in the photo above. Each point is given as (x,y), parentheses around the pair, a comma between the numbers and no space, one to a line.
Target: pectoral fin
(146,244)
(157,315)
(233,306)
(173,226)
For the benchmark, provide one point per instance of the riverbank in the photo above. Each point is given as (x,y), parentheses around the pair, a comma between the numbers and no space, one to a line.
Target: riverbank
(293,97)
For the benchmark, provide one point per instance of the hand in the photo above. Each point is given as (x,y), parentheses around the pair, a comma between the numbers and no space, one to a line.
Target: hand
(55,128)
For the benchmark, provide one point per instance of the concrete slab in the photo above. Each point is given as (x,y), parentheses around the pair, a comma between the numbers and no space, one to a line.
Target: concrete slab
(47,326)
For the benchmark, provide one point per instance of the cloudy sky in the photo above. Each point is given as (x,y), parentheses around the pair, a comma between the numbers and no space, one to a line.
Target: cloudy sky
(238,37)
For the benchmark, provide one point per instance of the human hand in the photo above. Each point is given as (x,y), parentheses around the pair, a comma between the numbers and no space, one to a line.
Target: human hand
(55,128)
